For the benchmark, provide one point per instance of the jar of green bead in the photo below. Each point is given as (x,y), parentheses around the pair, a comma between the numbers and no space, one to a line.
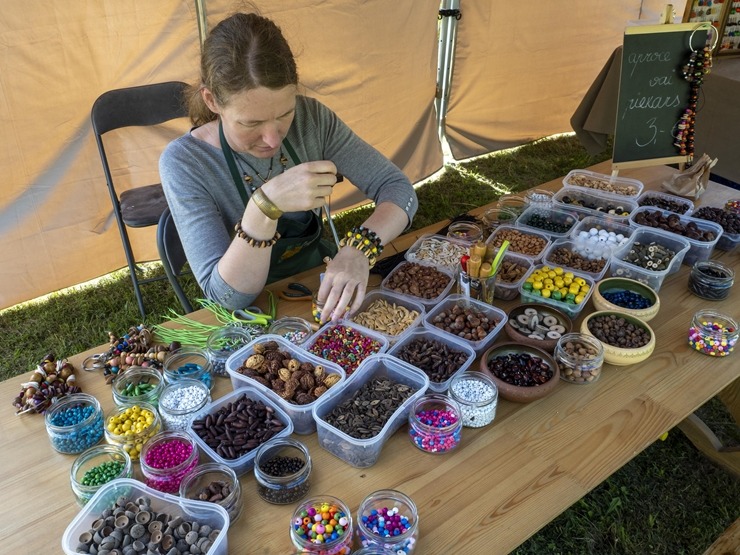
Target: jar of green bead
(138,384)
(97,466)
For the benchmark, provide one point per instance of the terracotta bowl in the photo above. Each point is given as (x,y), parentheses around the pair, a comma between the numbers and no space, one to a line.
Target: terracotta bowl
(520,394)
(517,335)
(623,284)
(620,356)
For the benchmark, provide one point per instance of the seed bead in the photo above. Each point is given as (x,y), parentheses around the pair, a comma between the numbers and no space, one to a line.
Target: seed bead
(477,399)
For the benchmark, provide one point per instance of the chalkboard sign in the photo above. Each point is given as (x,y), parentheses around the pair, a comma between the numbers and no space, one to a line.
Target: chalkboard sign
(652,93)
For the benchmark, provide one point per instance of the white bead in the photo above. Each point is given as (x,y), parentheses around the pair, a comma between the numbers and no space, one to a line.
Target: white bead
(593,231)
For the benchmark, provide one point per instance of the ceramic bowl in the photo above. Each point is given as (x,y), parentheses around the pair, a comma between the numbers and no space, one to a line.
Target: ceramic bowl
(620,356)
(519,320)
(614,284)
(520,394)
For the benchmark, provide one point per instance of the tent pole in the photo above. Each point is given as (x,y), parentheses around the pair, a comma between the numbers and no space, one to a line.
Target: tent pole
(200,14)
(449,15)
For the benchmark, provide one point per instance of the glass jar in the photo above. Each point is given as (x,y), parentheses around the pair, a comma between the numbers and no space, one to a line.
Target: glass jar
(713,333)
(515,203)
(435,423)
(711,280)
(166,459)
(130,426)
(477,396)
(296,330)
(138,384)
(222,342)
(181,401)
(374,550)
(398,530)
(538,197)
(188,362)
(579,357)
(309,533)
(282,468)
(74,423)
(217,483)
(97,466)
(733,205)
(465,231)
(494,217)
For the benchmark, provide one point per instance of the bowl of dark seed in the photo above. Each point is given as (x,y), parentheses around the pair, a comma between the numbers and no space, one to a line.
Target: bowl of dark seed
(522,373)
(626,339)
(214,483)
(626,295)
(537,325)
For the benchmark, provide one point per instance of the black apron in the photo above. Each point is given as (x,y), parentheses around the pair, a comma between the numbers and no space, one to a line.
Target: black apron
(300,246)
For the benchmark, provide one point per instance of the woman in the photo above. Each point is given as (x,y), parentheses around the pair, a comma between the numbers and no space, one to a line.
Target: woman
(247,183)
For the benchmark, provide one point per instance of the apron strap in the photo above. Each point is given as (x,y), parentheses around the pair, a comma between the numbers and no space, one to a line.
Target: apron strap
(231,162)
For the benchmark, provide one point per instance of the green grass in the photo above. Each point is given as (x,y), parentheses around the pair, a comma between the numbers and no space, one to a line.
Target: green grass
(668,500)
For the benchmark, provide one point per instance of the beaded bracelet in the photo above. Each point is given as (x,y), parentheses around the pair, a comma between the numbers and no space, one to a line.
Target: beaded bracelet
(256,243)
(364,240)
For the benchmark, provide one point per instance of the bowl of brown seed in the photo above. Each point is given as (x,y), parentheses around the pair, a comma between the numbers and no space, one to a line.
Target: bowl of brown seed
(538,325)
(626,339)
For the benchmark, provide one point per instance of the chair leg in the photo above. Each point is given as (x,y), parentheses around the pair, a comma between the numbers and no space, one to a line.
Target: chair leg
(131,265)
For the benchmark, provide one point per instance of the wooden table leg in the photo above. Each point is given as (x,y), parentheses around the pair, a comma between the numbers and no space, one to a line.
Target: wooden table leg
(704,439)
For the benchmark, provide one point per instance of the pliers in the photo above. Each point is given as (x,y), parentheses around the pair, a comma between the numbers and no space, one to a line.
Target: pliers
(296,292)
(252,315)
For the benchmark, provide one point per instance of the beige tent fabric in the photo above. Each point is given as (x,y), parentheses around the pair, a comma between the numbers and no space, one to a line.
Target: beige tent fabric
(521,68)
(372,62)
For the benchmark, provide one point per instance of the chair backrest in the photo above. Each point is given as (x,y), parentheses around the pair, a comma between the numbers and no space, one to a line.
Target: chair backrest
(172,255)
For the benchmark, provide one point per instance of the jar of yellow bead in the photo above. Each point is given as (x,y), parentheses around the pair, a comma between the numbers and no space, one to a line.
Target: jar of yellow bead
(131,426)
(563,289)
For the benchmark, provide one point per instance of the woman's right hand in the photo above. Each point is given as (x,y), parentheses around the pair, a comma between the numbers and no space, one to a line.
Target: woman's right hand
(303,187)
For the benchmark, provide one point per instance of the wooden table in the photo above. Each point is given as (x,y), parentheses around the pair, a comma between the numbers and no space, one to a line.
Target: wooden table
(504,482)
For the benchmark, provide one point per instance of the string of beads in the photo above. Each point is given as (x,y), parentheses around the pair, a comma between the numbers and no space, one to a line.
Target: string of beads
(364,240)
(256,243)
(699,65)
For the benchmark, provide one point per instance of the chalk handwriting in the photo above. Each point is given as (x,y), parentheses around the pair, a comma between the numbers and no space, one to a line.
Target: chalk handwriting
(647,57)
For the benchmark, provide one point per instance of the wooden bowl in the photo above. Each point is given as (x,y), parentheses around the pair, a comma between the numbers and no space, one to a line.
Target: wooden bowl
(625,284)
(620,356)
(516,393)
(544,311)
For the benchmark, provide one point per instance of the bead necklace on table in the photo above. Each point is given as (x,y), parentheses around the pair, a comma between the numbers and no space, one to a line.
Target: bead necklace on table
(699,65)
(249,180)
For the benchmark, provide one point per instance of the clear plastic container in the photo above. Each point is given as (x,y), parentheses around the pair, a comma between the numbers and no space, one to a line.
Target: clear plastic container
(506,290)
(214,483)
(296,330)
(222,342)
(338,542)
(282,468)
(166,459)
(181,401)
(384,285)
(125,387)
(711,280)
(74,423)
(572,310)
(541,198)
(579,357)
(584,248)
(620,228)
(664,200)
(435,423)
(132,439)
(362,453)
(477,396)
(204,513)
(91,459)
(465,231)
(327,344)
(189,362)
(300,415)
(437,250)
(390,324)
(243,463)
(654,278)
(560,222)
(713,333)
(699,250)
(594,203)
(593,181)
(525,247)
(512,202)
(446,343)
(398,531)
(494,217)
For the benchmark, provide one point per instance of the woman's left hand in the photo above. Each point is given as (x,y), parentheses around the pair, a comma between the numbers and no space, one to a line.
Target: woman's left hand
(344,284)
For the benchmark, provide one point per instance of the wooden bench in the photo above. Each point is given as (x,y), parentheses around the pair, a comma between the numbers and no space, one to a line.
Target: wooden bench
(728,543)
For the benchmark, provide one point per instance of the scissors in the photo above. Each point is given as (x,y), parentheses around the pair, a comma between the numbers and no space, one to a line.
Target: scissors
(296,292)
(252,315)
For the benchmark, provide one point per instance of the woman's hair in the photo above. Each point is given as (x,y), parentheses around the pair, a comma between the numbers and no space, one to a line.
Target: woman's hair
(243,52)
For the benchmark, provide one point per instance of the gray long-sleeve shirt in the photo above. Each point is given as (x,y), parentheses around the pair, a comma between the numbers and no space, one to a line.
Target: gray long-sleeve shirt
(205,203)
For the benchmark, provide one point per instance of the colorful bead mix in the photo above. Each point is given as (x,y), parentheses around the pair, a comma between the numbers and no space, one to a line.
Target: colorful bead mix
(557,284)
(344,345)
(387,523)
(327,524)
(713,334)
(435,425)
(167,459)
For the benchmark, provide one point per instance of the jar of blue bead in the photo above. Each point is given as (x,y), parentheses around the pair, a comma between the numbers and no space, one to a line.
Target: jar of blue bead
(188,362)
(75,423)
(388,519)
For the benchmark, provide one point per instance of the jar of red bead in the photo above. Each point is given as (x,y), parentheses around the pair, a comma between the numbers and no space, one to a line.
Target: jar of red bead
(713,333)
(435,423)
(388,519)
(167,458)
(322,525)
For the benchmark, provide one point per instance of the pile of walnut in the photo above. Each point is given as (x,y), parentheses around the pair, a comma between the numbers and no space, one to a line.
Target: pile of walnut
(297,382)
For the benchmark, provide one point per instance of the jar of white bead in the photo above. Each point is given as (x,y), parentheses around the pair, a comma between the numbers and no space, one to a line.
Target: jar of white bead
(477,396)
(181,401)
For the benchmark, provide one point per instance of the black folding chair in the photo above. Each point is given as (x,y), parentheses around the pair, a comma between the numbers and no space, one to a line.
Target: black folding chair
(172,255)
(143,206)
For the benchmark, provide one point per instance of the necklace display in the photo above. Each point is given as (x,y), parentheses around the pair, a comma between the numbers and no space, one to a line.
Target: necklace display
(249,180)
(699,65)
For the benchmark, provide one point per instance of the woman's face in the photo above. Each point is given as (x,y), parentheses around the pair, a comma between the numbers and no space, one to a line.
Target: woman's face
(256,121)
